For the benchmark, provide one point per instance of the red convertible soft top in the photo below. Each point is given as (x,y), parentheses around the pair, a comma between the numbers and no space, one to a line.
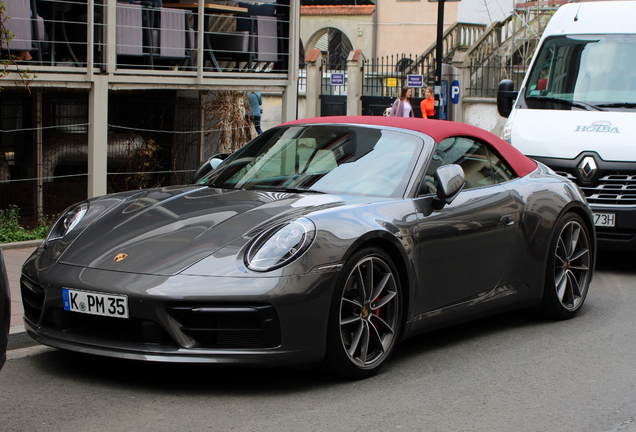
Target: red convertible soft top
(438,130)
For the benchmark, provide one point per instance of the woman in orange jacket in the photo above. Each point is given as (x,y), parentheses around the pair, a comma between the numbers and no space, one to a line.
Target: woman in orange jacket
(428,105)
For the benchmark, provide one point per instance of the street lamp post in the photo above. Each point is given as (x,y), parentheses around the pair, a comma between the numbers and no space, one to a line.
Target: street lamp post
(439,55)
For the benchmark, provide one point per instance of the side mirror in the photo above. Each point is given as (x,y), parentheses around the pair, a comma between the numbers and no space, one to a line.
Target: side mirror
(505,97)
(449,181)
(208,166)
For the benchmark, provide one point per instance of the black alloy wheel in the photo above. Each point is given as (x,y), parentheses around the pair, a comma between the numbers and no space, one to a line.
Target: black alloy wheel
(569,269)
(365,315)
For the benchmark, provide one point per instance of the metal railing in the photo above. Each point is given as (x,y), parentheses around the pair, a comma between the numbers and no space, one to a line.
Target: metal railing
(385,76)
(149,37)
(505,48)
(460,36)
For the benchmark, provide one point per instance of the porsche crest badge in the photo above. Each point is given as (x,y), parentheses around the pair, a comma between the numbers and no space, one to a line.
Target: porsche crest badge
(120,257)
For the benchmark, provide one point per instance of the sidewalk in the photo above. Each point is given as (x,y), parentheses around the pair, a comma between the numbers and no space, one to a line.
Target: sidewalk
(15,254)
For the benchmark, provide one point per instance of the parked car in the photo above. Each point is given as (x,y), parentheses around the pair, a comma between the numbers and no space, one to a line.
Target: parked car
(5,311)
(576,110)
(322,240)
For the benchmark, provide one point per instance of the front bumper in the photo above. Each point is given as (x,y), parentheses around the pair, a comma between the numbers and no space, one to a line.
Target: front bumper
(188,319)
(622,236)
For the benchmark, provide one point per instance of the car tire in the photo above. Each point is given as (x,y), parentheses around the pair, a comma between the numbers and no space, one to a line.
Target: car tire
(365,315)
(569,268)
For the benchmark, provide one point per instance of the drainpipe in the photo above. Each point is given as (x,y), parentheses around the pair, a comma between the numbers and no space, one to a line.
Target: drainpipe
(375,35)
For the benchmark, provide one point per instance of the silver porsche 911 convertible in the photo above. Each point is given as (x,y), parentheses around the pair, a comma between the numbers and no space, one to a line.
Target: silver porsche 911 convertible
(323,240)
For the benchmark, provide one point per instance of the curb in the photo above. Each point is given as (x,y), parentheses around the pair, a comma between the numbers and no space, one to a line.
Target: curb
(21,245)
(17,329)
(26,352)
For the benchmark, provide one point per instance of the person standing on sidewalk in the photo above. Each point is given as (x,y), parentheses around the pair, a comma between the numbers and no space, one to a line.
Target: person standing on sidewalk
(402,107)
(254,102)
(428,104)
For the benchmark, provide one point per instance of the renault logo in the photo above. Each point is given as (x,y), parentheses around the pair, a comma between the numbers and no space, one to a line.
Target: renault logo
(587,168)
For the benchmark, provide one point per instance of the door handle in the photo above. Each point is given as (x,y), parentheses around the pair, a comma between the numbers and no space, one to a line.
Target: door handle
(508,219)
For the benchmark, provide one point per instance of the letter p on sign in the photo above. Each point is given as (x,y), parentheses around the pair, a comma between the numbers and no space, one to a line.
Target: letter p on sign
(454,92)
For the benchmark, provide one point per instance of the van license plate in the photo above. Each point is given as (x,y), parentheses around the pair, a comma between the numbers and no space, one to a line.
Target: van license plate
(95,303)
(604,219)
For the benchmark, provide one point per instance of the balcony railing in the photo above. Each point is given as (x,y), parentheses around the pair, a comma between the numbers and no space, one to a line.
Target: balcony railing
(187,38)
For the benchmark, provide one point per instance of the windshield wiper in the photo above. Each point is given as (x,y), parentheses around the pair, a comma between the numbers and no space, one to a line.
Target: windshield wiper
(212,185)
(618,105)
(299,190)
(289,189)
(588,107)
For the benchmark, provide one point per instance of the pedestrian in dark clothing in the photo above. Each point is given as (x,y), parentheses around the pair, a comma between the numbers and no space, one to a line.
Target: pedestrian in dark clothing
(254,102)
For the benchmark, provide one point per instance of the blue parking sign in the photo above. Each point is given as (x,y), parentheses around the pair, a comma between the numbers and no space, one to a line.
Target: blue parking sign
(454,92)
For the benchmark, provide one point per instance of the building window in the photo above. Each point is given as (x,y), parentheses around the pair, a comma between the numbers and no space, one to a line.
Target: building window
(72,116)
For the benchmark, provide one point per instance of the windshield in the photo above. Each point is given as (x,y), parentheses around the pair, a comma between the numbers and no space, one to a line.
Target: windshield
(597,71)
(335,159)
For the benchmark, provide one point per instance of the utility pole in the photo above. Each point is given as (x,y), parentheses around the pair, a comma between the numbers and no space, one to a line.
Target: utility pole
(439,55)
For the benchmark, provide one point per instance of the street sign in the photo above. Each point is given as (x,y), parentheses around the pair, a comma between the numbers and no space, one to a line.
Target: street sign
(454,92)
(337,79)
(415,81)
(391,82)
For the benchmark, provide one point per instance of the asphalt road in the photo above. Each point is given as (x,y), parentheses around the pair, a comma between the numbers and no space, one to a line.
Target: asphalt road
(512,372)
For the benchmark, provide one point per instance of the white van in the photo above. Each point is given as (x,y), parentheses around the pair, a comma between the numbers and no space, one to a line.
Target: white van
(576,110)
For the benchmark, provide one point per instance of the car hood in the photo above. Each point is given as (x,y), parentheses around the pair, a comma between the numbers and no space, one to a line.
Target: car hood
(164,231)
(565,134)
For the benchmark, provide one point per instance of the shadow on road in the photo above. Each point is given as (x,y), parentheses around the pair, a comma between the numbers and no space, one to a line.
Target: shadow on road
(615,261)
(210,380)
(213,380)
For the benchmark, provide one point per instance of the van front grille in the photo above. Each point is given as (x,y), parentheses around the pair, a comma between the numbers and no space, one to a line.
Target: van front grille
(617,189)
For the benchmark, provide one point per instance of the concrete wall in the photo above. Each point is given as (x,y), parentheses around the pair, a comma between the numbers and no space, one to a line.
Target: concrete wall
(272,104)
(482,112)
(409,27)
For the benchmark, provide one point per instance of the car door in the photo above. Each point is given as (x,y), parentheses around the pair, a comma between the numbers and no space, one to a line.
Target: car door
(465,248)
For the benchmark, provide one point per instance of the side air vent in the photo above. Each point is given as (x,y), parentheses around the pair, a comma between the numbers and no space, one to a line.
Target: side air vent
(32,299)
(213,326)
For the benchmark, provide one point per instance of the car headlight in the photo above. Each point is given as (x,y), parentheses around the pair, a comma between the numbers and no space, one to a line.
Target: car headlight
(506,133)
(67,222)
(280,245)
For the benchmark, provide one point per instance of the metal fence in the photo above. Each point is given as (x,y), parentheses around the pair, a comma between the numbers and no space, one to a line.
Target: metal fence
(385,76)
(153,140)
(485,77)
(334,76)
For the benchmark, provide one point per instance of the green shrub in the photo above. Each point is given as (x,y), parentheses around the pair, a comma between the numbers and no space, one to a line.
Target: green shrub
(11,231)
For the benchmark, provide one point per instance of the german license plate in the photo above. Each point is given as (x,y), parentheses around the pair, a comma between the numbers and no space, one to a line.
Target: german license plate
(604,219)
(95,303)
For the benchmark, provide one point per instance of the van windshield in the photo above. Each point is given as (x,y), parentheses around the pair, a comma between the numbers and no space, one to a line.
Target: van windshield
(591,72)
